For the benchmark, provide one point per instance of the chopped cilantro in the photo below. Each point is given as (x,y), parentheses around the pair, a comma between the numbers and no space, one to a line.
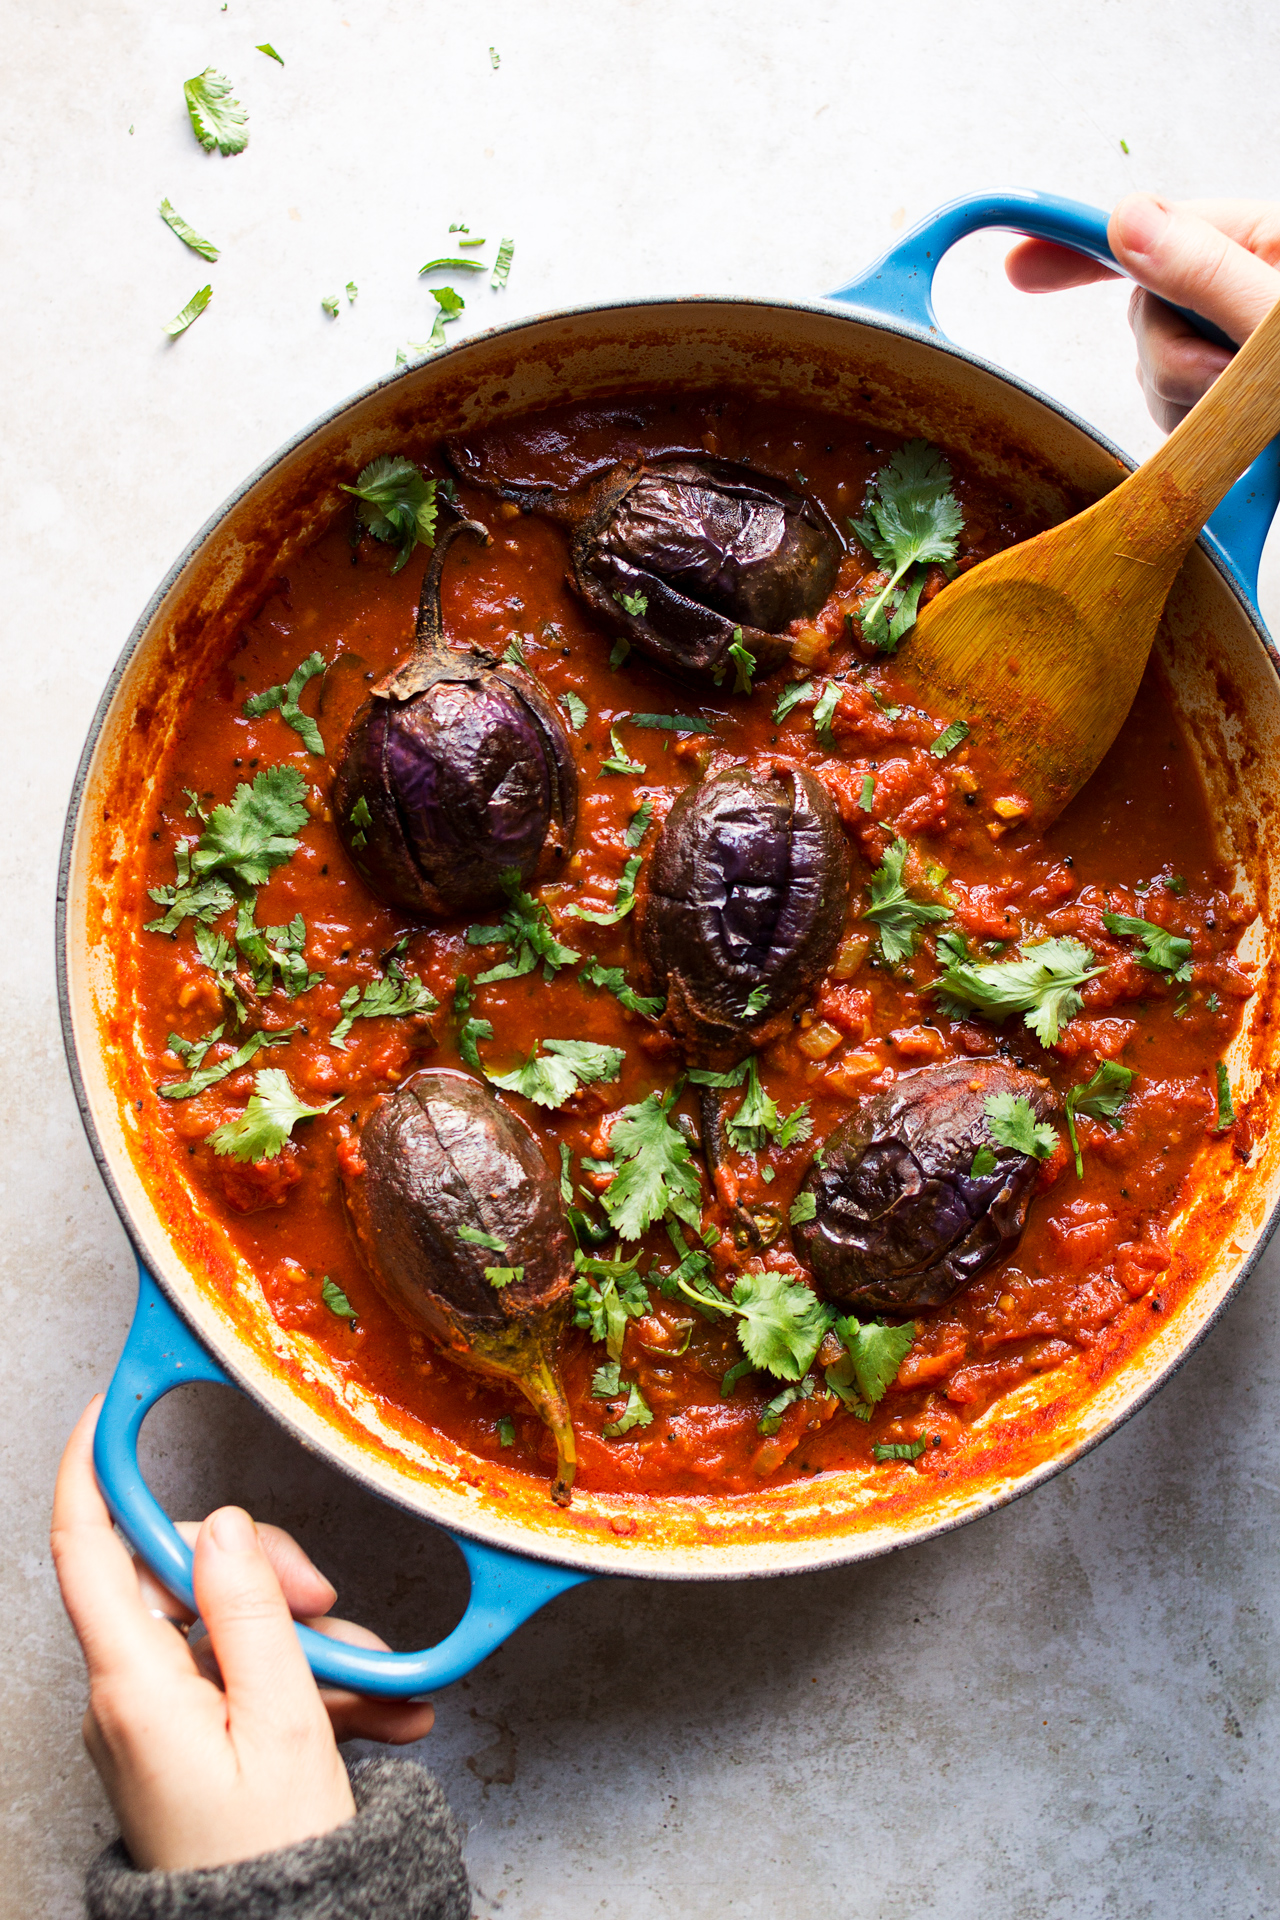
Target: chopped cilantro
(618,654)
(502,261)
(1044,985)
(756,1119)
(506,1431)
(467,266)
(495,59)
(984,1164)
(671,722)
(730,1378)
(209,1076)
(269,50)
(624,900)
(791,697)
(867,796)
(771,1419)
(192,311)
(513,653)
(827,702)
(202,900)
(271,950)
(1101,1098)
(757,1002)
(285,697)
(803,1207)
(351,290)
(949,739)
(576,710)
(396,994)
(525,928)
(252,834)
(477,1237)
(335,1299)
(274,1110)
(869,1365)
(780,1324)
(744,663)
(606,1381)
(499,1277)
(636,1413)
(911,517)
(898,1449)
(188,235)
(796,1127)
(565,1066)
(1011,1123)
(330,305)
(636,604)
(606,1294)
(639,824)
(1226,1110)
(219,956)
(618,761)
(1165,952)
(470,1031)
(396,504)
(450,305)
(614,981)
(583,1227)
(216,119)
(893,910)
(653,1170)
(1212,1003)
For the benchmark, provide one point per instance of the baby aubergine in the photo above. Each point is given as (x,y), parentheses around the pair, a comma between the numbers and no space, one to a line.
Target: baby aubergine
(455,771)
(449,1184)
(902,1218)
(743,904)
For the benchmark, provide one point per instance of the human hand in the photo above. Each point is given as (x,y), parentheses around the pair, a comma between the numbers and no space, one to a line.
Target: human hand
(225,1750)
(1217,257)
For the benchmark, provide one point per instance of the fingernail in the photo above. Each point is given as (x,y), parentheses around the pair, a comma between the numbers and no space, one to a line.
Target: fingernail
(233,1531)
(1142,222)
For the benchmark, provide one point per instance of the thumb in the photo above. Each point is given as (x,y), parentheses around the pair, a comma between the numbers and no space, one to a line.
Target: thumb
(1186,261)
(264,1670)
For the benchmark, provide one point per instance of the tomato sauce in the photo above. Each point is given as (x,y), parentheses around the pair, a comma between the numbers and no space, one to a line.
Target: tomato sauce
(1096,1251)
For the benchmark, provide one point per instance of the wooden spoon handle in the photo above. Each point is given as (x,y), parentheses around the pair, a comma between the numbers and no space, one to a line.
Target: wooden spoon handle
(1167,501)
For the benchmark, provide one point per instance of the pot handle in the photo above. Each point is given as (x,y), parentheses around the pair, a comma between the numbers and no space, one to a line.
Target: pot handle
(162,1353)
(900,286)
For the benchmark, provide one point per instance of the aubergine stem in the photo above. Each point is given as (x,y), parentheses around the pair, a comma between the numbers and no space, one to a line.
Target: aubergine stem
(542,1389)
(428,633)
(712,1103)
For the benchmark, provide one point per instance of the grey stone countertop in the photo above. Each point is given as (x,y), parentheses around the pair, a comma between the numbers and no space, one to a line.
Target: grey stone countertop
(1068,1709)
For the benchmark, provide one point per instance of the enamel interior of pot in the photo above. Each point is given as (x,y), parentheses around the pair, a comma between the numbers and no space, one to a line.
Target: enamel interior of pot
(1223,683)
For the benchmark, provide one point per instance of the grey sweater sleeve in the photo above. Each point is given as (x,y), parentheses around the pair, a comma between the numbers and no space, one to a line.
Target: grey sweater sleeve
(399,1859)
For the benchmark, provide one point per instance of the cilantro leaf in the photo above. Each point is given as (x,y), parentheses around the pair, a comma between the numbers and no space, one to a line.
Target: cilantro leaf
(636,1413)
(506,248)
(526,929)
(867,795)
(757,1002)
(209,1076)
(274,1110)
(771,1419)
(671,722)
(330,305)
(252,834)
(911,517)
(272,950)
(1226,1110)
(619,761)
(624,899)
(731,1376)
(756,1119)
(396,994)
(564,1067)
(640,823)
(500,1277)
(1165,952)
(894,911)
(467,266)
(576,710)
(898,1449)
(983,1164)
(803,1207)
(1043,985)
(827,702)
(396,504)
(285,697)
(477,1237)
(192,1052)
(606,1294)
(216,119)
(333,1296)
(506,1431)
(202,900)
(636,604)
(614,981)
(796,1127)
(470,1031)
(780,1323)
(869,1366)
(791,697)
(267,48)
(1101,1098)
(450,305)
(606,1381)
(949,739)
(744,663)
(188,235)
(192,311)
(1011,1123)
(653,1170)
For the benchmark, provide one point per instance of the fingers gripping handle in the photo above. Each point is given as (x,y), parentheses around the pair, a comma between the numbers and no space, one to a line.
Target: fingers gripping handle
(162,1353)
(901,286)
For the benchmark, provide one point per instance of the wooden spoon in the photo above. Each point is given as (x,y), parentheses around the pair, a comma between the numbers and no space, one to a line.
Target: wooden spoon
(1042,646)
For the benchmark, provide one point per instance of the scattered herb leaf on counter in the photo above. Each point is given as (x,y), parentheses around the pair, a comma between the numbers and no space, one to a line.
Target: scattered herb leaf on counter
(949,739)
(1101,1098)
(216,119)
(1164,952)
(614,981)
(564,1066)
(771,1419)
(285,698)
(192,311)
(792,696)
(526,929)
(330,304)
(893,910)
(209,1076)
(1226,1110)
(396,994)
(502,264)
(636,1413)
(624,899)
(576,710)
(827,702)
(911,517)
(352,290)
(619,761)
(330,1292)
(1044,986)
(653,1170)
(780,1324)
(450,305)
(467,266)
(187,234)
(898,1449)
(396,504)
(495,61)
(274,1110)
(1011,1123)
(267,48)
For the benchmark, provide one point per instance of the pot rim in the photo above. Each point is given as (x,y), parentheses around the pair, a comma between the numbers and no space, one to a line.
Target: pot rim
(850,1549)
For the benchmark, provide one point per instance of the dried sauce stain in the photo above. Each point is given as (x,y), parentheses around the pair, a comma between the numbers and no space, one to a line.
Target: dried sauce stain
(1079,1287)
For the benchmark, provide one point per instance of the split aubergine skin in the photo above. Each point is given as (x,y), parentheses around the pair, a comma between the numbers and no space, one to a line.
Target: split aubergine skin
(746,893)
(441,1154)
(456,771)
(902,1220)
(714,551)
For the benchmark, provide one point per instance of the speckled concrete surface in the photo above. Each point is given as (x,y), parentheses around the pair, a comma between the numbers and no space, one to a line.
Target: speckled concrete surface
(1067,1710)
